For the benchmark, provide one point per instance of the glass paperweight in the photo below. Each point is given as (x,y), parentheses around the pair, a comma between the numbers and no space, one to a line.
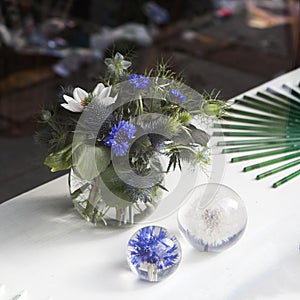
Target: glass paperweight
(213,217)
(153,253)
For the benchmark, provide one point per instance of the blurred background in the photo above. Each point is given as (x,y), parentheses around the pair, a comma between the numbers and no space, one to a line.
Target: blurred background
(226,45)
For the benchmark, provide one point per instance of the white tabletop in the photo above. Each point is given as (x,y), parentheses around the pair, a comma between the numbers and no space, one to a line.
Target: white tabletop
(47,250)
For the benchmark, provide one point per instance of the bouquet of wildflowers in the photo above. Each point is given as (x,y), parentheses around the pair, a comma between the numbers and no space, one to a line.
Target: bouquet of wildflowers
(112,139)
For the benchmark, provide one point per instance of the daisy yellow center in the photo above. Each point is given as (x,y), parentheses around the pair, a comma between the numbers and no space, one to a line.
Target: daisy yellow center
(84,102)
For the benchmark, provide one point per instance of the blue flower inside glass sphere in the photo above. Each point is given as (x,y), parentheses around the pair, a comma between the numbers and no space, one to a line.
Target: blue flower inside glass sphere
(213,218)
(153,253)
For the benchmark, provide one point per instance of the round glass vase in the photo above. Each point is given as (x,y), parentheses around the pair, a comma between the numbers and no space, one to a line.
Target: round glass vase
(109,202)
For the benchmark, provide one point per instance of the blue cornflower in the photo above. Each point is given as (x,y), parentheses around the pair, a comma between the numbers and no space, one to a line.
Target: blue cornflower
(178,95)
(119,138)
(150,247)
(140,82)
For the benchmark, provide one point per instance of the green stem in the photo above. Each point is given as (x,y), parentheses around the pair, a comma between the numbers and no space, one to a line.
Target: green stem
(292,91)
(283,105)
(279,169)
(270,109)
(275,123)
(280,95)
(285,129)
(259,147)
(54,126)
(130,214)
(266,102)
(121,215)
(256,134)
(256,141)
(290,102)
(264,154)
(91,210)
(198,111)
(286,179)
(141,105)
(271,162)
(255,115)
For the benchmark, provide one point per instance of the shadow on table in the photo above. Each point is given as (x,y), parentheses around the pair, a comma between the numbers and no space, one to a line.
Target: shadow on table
(48,220)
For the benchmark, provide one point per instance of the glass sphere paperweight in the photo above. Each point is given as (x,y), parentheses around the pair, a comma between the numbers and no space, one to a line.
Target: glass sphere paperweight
(213,217)
(153,253)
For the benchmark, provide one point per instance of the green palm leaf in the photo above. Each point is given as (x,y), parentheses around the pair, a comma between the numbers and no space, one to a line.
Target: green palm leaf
(268,120)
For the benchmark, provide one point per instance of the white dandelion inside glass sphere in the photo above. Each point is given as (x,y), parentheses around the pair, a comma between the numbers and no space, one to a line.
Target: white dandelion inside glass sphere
(213,217)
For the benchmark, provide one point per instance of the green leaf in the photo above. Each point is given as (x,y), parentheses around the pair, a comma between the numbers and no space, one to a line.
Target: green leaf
(60,160)
(199,136)
(90,160)
(113,189)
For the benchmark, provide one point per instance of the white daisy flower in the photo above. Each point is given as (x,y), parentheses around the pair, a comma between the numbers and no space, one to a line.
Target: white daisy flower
(81,98)
(101,94)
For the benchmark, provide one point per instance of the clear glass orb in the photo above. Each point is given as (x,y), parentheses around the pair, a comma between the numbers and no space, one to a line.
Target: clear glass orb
(153,253)
(213,217)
